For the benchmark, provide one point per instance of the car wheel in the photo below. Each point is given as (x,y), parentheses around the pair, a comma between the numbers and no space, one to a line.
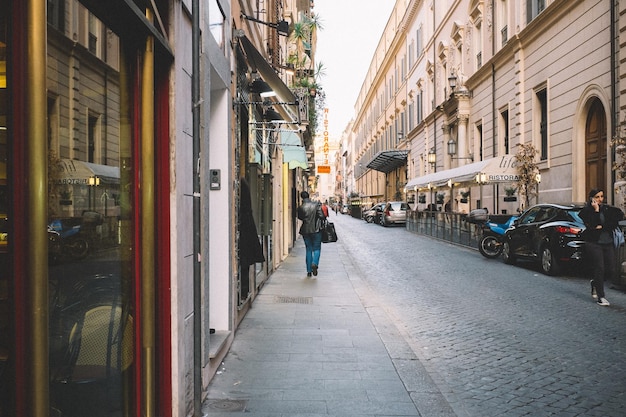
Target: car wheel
(549,264)
(507,254)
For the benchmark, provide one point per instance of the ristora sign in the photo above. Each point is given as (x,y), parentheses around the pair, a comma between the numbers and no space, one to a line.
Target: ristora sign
(503,169)
(325,167)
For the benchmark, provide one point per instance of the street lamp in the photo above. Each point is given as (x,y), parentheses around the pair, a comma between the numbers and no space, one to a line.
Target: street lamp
(432,157)
(92,181)
(452,151)
(452,83)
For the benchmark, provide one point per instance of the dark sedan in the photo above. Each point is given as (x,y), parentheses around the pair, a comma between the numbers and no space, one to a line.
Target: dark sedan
(549,234)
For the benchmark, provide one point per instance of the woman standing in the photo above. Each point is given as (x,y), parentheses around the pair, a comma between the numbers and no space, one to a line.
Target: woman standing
(600,221)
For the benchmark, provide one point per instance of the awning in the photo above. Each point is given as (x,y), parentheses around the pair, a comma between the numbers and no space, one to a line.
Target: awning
(387,161)
(289,106)
(294,153)
(499,169)
(78,173)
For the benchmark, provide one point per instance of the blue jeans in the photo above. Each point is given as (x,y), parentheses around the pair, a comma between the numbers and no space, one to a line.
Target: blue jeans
(313,243)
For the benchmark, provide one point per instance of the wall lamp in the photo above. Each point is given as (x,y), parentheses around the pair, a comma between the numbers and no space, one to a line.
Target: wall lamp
(282,26)
(432,157)
(452,82)
(452,151)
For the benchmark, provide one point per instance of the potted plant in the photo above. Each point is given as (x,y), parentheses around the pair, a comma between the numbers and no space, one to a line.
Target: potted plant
(464,196)
(510,194)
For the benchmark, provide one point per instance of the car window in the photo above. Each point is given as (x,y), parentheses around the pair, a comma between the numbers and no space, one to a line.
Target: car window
(396,206)
(574,215)
(530,216)
(545,214)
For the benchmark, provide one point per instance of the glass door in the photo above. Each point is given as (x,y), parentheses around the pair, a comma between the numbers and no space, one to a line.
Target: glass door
(90,216)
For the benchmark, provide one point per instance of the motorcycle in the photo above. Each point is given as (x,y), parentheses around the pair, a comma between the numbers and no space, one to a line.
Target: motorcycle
(72,237)
(490,244)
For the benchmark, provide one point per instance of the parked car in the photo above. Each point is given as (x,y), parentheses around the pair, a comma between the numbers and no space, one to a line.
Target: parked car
(345,209)
(394,213)
(373,215)
(549,234)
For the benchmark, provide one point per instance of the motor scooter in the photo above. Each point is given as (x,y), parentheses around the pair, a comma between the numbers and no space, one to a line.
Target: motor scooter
(490,244)
(72,236)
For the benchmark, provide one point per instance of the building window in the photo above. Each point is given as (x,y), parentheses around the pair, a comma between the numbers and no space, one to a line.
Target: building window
(479,136)
(504,130)
(542,113)
(418,42)
(56,14)
(533,8)
(420,107)
(503,14)
(216,22)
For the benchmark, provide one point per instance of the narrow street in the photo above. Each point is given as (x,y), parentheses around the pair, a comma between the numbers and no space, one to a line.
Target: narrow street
(498,340)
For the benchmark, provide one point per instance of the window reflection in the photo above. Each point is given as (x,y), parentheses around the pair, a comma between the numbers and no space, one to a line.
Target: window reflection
(89,219)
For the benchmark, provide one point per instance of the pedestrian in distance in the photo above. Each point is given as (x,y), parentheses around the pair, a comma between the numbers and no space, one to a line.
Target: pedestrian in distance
(600,222)
(325,208)
(312,216)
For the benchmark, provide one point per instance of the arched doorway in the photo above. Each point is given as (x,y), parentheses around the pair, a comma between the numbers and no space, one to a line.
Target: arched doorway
(595,147)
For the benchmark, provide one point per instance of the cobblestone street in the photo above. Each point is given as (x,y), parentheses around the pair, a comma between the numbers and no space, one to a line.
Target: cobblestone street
(498,340)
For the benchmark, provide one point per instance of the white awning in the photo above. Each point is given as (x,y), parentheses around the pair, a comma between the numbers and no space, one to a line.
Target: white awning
(294,153)
(78,172)
(500,169)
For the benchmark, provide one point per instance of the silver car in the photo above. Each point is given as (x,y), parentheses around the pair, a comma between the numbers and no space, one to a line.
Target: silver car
(394,213)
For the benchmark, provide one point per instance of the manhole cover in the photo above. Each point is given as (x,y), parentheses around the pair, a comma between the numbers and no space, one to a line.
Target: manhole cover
(295,300)
(227,405)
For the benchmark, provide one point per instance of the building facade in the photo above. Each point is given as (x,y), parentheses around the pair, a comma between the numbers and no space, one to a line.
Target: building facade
(145,194)
(455,84)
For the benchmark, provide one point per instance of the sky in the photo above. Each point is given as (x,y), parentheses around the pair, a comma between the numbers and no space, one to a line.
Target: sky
(345,46)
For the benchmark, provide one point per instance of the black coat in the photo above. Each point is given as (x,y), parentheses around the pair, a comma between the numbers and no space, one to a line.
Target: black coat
(592,219)
(250,249)
(311,214)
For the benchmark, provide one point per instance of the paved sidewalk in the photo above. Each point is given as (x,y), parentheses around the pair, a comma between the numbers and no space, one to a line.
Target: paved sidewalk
(310,347)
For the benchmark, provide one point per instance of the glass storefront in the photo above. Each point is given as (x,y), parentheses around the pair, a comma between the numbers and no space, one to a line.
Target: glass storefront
(90,218)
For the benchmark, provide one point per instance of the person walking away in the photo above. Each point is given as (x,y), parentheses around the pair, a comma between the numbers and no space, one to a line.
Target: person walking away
(312,216)
(600,221)
(325,208)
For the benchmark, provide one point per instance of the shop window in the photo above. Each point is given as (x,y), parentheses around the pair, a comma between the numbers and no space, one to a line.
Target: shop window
(90,227)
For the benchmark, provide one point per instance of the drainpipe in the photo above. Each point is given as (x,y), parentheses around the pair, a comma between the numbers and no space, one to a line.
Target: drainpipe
(197,276)
(434,85)
(614,90)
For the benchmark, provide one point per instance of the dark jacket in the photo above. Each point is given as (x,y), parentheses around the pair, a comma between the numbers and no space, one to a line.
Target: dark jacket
(592,218)
(310,212)
(250,249)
